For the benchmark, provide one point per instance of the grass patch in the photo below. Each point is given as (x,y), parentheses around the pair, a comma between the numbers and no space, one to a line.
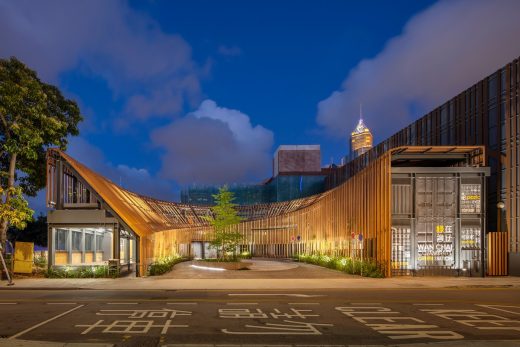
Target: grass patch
(344,264)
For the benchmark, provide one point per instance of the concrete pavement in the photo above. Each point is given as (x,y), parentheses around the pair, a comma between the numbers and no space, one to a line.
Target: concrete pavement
(261,283)
(264,274)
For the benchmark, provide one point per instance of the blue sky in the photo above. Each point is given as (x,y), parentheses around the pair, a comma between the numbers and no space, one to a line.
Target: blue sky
(182,92)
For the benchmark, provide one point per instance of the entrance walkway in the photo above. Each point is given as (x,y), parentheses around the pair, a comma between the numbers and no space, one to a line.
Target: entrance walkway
(260,269)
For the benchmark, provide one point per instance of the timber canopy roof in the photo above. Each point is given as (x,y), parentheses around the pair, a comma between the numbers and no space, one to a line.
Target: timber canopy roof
(146,215)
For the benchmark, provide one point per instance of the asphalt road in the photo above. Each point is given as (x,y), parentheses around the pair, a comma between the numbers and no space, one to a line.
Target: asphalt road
(333,317)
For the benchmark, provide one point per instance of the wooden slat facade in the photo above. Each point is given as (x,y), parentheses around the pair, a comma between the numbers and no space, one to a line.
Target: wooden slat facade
(497,254)
(322,223)
(360,206)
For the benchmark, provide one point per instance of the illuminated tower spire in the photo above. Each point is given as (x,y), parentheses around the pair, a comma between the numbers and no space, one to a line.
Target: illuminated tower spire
(361,137)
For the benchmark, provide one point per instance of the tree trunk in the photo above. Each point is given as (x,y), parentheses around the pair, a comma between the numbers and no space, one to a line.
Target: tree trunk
(10,184)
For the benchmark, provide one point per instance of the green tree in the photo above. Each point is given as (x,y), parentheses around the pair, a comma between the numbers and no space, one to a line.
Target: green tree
(33,117)
(223,219)
(35,231)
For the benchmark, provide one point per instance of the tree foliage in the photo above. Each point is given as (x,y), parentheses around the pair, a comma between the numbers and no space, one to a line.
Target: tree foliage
(16,210)
(224,217)
(35,231)
(33,117)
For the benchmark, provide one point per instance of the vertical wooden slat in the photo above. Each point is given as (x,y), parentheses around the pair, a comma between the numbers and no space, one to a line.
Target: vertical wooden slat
(497,253)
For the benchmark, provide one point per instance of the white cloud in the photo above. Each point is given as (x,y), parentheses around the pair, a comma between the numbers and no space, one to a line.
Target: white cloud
(214,145)
(138,60)
(441,51)
(138,180)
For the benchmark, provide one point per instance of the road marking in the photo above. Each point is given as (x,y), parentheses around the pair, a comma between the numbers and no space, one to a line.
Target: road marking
(61,303)
(365,303)
(293,328)
(122,303)
(242,303)
(292,295)
(396,327)
(8,303)
(495,307)
(182,303)
(304,303)
(43,323)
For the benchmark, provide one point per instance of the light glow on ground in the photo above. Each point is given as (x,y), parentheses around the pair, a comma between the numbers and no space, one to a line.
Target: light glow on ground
(208,268)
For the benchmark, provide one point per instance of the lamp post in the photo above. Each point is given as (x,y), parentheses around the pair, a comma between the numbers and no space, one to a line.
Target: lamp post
(500,207)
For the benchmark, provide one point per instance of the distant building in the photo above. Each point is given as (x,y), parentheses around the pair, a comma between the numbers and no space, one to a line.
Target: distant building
(360,139)
(297,173)
(297,159)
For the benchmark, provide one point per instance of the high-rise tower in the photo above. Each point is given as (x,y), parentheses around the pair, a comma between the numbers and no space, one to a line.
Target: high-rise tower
(361,138)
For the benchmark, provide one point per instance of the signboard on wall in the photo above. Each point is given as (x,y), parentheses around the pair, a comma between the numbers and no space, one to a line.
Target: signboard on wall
(401,248)
(437,247)
(470,238)
(470,198)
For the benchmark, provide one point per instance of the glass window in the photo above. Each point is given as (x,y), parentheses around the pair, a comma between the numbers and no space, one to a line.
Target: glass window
(76,240)
(99,242)
(89,242)
(61,239)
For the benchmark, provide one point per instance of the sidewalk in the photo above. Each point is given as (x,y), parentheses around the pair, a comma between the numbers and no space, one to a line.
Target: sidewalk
(162,283)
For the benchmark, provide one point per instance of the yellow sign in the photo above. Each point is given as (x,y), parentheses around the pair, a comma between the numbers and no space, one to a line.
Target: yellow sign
(439,228)
(23,257)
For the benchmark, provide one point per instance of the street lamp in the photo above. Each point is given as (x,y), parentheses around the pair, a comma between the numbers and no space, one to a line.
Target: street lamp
(501,206)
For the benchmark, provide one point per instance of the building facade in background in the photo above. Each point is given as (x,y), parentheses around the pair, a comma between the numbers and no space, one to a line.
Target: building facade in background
(297,173)
(360,140)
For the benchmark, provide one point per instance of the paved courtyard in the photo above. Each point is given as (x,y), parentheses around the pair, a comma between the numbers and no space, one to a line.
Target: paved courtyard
(260,268)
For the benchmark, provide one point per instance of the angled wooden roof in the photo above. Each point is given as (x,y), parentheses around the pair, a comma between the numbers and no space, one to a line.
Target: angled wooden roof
(145,215)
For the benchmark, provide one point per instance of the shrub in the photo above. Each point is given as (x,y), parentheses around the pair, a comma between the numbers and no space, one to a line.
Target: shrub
(367,268)
(40,262)
(220,260)
(164,265)
(96,271)
(245,255)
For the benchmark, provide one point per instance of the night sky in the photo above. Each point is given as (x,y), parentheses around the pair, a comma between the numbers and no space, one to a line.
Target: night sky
(183,92)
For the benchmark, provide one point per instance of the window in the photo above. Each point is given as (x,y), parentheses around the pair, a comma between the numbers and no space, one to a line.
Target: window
(76,241)
(89,242)
(61,239)
(99,242)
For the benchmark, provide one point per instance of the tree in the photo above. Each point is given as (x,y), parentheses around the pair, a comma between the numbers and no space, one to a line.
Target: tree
(35,231)
(33,117)
(224,217)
